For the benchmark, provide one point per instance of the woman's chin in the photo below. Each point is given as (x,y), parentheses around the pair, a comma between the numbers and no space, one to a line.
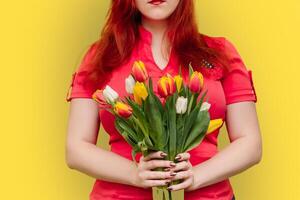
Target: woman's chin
(157,16)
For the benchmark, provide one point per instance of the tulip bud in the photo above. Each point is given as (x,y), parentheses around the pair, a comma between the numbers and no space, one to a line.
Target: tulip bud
(181,105)
(139,71)
(122,109)
(178,81)
(166,86)
(129,84)
(205,106)
(196,82)
(110,95)
(139,92)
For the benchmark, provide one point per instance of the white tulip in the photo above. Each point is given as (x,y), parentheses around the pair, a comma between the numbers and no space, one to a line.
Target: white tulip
(181,105)
(205,106)
(109,94)
(129,84)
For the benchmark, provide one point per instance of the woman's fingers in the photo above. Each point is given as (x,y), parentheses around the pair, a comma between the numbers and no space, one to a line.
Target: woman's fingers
(181,166)
(153,183)
(185,184)
(154,155)
(183,156)
(153,164)
(182,175)
(152,175)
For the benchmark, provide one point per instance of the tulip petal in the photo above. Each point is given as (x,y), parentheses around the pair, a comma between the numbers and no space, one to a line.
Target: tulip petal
(214,124)
(122,109)
(139,92)
(139,71)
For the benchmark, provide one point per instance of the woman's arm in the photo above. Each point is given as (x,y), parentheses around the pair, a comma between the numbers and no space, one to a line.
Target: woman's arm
(83,155)
(244,151)
(81,151)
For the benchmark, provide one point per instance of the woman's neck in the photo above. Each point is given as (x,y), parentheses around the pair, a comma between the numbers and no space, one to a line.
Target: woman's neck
(161,47)
(156,27)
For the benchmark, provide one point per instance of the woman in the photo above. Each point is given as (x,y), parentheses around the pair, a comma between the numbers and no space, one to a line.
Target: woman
(164,35)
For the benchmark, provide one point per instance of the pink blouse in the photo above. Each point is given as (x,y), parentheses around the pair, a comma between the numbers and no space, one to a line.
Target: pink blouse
(223,88)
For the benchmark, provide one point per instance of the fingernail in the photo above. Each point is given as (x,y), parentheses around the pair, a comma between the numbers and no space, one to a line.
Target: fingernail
(177,157)
(169,188)
(162,154)
(167,169)
(172,164)
(173,173)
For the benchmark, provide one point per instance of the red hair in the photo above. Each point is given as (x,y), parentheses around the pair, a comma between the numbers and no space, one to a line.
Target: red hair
(120,34)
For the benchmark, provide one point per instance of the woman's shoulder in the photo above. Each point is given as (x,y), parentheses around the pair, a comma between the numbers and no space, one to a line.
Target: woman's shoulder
(221,43)
(228,51)
(213,71)
(216,42)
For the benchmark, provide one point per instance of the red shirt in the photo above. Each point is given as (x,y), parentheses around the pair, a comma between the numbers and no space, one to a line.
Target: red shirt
(223,88)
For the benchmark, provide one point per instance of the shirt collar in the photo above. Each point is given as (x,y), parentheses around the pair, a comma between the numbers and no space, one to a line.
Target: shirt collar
(145,37)
(144,34)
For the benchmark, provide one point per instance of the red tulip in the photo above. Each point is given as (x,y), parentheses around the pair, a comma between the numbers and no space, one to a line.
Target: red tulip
(196,82)
(122,109)
(166,86)
(139,71)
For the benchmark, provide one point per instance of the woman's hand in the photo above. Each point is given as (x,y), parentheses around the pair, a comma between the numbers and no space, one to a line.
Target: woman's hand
(183,170)
(145,176)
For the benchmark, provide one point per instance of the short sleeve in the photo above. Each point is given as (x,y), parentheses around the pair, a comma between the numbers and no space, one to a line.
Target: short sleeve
(237,82)
(79,88)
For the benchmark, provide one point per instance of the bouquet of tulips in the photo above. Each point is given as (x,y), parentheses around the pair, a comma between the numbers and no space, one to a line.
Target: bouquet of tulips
(174,121)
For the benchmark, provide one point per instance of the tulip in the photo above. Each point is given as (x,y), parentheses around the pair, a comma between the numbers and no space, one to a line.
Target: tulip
(178,81)
(110,95)
(99,98)
(205,106)
(129,84)
(139,92)
(139,71)
(166,86)
(181,105)
(196,82)
(122,109)
(214,124)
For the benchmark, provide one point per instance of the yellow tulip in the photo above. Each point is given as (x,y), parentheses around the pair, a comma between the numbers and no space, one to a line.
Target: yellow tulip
(178,81)
(214,124)
(139,92)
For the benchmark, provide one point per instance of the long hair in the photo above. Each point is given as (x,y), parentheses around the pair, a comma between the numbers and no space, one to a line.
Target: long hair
(120,34)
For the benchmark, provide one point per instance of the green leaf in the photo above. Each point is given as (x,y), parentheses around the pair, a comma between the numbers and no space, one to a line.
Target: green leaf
(122,125)
(190,70)
(154,117)
(180,121)
(165,120)
(198,130)
(188,123)
(156,99)
(171,112)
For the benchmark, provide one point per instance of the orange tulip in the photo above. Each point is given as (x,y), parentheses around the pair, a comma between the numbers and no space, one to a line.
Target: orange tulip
(139,71)
(100,99)
(166,86)
(196,82)
(122,109)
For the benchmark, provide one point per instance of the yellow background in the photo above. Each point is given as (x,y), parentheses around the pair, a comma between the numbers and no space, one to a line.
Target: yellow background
(42,43)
